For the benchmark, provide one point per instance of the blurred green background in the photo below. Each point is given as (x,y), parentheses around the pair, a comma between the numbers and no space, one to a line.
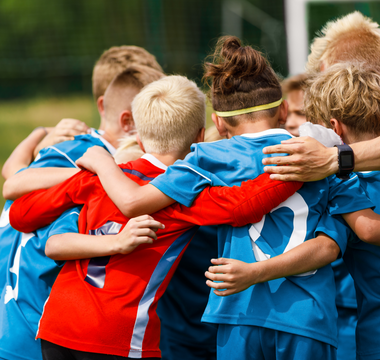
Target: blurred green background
(48,48)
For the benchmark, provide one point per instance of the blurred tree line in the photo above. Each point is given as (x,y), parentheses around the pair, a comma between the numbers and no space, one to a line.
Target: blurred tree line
(50,47)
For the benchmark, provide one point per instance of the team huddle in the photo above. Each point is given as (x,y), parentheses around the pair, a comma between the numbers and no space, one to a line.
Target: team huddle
(229,263)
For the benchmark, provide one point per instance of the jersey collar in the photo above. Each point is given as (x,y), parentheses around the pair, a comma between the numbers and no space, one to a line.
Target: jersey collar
(267,132)
(98,134)
(153,160)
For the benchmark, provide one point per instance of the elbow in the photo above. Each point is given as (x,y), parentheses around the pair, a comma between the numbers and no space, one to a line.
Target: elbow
(9,192)
(130,207)
(332,252)
(5,172)
(51,248)
(369,234)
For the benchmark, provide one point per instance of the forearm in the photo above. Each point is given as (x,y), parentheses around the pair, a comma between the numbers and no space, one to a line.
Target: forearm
(34,179)
(73,246)
(367,155)
(310,255)
(238,205)
(22,156)
(131,198)
(365,224)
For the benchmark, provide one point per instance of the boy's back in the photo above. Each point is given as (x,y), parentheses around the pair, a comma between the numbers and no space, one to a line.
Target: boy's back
(287,226)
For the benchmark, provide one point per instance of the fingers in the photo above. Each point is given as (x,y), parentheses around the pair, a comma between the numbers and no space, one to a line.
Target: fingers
(146,221)
(287,177)
(220,261)
(220,289)
(73,124)
(217,276)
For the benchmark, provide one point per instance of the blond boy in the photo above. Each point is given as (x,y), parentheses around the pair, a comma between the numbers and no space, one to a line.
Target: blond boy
(352,92)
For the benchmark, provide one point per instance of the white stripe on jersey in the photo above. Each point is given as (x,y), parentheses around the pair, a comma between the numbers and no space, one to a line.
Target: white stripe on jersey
(195,171)
(65,155)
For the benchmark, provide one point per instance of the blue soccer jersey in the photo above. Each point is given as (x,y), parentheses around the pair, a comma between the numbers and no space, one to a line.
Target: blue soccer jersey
(362,260)
(27,274)
(24,295)
(302,305)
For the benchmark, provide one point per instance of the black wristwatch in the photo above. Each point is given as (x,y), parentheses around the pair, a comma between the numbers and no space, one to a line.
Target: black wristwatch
(346,161)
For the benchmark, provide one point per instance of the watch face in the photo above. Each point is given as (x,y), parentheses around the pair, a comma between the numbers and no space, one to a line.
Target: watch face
(346,160)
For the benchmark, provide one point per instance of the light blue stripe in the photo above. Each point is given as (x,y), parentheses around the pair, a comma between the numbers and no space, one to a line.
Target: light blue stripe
(158,276)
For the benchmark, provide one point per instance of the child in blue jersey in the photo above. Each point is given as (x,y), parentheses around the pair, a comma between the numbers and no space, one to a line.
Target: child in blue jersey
(353,92)
(288,318)
(26,272)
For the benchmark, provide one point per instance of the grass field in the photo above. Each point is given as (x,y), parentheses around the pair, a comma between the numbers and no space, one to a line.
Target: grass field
(19,118)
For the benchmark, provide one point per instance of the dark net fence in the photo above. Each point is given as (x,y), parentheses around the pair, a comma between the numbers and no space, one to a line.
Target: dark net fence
(50,47)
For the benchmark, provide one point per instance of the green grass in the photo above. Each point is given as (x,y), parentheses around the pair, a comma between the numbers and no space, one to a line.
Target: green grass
(19,118)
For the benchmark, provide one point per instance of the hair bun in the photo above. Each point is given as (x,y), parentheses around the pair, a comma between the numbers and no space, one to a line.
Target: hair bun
(232,62)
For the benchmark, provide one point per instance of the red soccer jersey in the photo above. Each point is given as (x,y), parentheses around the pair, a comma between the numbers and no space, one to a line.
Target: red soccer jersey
(108,304)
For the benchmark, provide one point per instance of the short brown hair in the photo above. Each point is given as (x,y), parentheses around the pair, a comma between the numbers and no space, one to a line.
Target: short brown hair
(353,37)
(240,77)
(294,83)
(118,96)
(116,59)
(346,92)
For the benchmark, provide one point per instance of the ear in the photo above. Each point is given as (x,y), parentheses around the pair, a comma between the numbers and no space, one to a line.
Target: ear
(201,136)
(219,124)
(100,105)
(140,143)
(126,122)
(337,126)
(322,67)
(283,113)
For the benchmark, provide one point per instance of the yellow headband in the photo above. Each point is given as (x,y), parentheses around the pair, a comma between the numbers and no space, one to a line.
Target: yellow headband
(249,110)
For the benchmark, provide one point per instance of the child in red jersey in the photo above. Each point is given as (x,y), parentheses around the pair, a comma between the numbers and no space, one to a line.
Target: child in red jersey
(107,305)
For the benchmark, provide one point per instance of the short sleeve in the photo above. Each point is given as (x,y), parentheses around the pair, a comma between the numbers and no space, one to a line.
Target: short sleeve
(336,228)
(184,180)
(53,156)
(346,196)
(66,223)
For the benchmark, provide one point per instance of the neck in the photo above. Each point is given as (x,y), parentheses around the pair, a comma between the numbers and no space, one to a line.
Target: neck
(351,137)
(113,140)
(252,127)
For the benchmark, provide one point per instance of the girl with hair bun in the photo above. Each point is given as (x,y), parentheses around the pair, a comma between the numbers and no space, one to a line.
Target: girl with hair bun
(287,318)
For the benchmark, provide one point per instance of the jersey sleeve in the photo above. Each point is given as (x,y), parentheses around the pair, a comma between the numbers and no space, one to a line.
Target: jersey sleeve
(40,208)
(66,223)
(184,180)
(336,228)
(347,196)
(66,153)
(237,205)
(53,156)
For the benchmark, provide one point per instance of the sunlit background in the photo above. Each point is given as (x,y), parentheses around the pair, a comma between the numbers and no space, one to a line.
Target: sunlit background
(48,48)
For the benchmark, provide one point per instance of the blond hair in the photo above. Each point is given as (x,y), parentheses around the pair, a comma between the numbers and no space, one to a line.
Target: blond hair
(128,150)
(123,88)
(169,114)
(346,92)
(116,59)
(353,37)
